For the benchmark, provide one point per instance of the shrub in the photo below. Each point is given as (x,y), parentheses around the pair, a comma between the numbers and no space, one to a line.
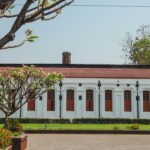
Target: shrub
(134,127)
(15,126)
(82,121)
(109,121)
(5,138)
(116,128)
(44,120)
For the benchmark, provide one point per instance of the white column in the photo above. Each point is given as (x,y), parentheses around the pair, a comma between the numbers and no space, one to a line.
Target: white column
(102,104)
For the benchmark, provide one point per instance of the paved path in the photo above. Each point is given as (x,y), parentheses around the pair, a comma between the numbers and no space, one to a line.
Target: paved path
(88,142)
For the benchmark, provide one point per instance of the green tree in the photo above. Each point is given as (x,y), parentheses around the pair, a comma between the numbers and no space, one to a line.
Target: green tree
(31,11)
(136,49)
(18,85)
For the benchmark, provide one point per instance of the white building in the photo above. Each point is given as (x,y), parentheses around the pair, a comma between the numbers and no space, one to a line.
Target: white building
(93,91)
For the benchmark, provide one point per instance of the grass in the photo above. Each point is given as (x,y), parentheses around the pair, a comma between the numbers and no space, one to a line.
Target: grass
(82,126)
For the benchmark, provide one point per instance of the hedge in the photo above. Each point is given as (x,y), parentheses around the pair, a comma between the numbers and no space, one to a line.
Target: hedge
(82,121)
(40,120)
(109,121)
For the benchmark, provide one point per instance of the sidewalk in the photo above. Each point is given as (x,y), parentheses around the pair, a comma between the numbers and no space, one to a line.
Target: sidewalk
(88,142)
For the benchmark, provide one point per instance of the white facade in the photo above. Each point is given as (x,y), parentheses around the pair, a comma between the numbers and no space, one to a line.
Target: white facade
(80,105)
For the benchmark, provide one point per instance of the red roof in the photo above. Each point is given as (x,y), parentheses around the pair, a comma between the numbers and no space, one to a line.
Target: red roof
(94,71)
(101,72)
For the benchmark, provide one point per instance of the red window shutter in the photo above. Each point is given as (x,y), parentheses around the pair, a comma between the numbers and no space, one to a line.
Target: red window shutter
(31,101)
(146,101)
(127,100)
(108,100)
(89,100)
(70,100)
(31,105)
(51,100)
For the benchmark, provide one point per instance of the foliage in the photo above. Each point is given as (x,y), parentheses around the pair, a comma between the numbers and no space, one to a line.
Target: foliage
(29,36)
(15,126)
(19,85)
(116,128)
(137,49)
(81,121)
(134,127)
(109,121)
(5,138)
(39,120)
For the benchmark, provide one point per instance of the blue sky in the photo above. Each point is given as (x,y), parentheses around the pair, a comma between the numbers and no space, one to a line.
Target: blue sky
(92,34)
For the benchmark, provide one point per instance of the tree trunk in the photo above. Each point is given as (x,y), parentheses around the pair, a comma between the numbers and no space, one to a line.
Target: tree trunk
(6,121)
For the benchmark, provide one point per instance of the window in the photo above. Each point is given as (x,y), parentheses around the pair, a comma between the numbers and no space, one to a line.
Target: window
(89,100)
(51,100)
(31,101)
(127,100)
(146,101)
(70,100)
(108,100)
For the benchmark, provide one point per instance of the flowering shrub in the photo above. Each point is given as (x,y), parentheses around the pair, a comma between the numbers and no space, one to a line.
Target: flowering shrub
(5,138)
(18,85)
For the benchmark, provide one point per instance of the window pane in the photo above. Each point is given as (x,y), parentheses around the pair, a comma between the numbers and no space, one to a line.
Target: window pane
(89,100)
(146,101)
(70,100)
(31,105)
(127,100)
(31,101)
(108,100)
(51,100)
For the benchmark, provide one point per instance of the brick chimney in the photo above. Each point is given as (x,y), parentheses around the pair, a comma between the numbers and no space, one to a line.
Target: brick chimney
(66,58)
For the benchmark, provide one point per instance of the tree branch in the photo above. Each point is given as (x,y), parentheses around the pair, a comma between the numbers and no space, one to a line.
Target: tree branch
(14,46)
(17,24)
(40,11)
(27,15)
(8,16)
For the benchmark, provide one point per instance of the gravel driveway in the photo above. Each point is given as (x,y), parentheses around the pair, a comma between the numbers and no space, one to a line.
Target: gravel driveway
(88,142)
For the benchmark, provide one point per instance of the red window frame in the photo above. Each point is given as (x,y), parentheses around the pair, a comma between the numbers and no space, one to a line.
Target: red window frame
(127,100)
(108,100)
(31,101)
(146,101)
(51,100)
(70,100)
(89,100)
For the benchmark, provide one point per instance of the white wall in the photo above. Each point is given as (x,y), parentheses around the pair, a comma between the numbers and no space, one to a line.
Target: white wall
(80,105)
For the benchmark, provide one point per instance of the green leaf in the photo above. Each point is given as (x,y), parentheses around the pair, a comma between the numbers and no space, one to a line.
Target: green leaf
(33,37)
(30,40)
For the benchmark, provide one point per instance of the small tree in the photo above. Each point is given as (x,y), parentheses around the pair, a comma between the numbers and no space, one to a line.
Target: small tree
(137,49)
(18,85)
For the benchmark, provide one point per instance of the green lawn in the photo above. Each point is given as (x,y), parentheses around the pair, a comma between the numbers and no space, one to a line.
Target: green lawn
(82,126)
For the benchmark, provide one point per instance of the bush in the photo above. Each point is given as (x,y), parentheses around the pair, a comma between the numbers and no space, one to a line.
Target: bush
(109,121)
(134,127)
(5,138)
(116,128)
(41,120)
(15,126)
(82,121)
